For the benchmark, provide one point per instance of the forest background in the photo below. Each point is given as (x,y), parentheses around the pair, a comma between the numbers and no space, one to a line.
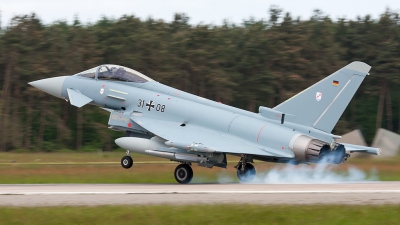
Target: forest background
(259,62)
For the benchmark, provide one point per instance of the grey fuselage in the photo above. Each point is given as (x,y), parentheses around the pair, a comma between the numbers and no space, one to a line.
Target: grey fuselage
(158,101)
(169,123)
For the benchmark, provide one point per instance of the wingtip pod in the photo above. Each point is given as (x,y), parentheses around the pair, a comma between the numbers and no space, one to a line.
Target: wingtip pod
(358,148)
(359,66)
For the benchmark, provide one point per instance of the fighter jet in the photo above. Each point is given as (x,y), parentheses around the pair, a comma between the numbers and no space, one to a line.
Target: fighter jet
(162,121)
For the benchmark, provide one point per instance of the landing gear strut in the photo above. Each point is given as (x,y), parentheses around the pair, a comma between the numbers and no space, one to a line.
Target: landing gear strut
(244,170)
(183,173)
(127,160)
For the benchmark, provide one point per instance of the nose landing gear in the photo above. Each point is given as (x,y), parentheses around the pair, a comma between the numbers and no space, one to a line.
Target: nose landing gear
(127,161)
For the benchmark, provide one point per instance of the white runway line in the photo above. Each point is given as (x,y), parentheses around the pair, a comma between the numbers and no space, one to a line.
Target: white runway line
(86,163)
(91,163)
(200,192)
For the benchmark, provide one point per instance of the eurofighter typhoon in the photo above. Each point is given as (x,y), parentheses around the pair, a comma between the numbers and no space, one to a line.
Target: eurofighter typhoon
(165,122)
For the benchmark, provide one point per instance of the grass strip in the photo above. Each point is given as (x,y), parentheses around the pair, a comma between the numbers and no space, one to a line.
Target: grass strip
(94,167)
(203,214)
(139,173)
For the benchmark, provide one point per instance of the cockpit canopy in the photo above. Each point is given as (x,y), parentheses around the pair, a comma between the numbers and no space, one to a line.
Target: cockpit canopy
(114,73)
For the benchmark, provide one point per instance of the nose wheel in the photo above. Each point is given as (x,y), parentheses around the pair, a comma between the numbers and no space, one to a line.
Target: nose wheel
(126,162)
(183,173)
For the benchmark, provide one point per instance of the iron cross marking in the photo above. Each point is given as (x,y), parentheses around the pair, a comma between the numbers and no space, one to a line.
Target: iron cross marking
(149,105)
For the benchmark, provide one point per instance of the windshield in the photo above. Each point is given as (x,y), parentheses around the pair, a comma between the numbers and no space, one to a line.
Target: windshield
(91,73)
(115,73)
(120,73)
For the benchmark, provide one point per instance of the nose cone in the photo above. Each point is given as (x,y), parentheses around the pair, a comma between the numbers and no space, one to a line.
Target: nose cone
(51,86)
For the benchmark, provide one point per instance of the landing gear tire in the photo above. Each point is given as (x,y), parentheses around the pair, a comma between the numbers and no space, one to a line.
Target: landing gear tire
(126,162)
(248,174)
(183,173)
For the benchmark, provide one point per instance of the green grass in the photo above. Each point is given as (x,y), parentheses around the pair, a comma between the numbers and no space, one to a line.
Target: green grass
(389,176)
(42,174)
(203,214)
(93,167)
(148,173)
(44,157)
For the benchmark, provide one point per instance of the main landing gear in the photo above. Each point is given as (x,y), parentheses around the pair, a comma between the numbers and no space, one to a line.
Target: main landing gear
(244,170)
(183,173)
(127,161)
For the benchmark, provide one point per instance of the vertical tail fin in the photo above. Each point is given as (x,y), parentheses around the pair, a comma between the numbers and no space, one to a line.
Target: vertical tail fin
(321,105)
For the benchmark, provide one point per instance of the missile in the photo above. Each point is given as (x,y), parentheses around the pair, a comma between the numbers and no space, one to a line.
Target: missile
(177,156)
(197,147)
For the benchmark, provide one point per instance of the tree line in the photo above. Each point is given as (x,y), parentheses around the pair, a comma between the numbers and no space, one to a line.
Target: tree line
(258,62)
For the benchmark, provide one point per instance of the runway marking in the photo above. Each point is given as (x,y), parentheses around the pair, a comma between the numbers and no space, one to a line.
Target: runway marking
(93,163)
(88,163)
(200,192)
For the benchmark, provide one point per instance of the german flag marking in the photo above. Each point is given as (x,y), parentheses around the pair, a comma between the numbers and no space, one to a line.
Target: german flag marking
(335,83)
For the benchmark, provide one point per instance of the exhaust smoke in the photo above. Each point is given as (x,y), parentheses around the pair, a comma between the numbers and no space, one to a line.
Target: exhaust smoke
(305,174)
(322,173)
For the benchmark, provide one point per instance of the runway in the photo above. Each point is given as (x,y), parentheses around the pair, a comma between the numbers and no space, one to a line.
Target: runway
(142,194)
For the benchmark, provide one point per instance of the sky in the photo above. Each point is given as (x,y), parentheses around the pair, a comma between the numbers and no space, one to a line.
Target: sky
(199,11)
